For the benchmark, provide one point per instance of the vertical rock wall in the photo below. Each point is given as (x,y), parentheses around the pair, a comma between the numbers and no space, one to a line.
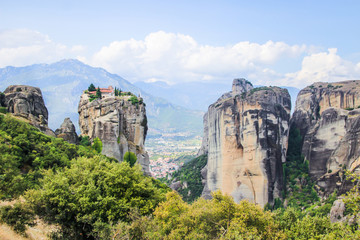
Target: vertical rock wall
(121,126)
(245,137)
(328,116)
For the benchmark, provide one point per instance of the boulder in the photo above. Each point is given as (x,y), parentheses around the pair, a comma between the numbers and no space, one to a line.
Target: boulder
(27,102)
(67,132)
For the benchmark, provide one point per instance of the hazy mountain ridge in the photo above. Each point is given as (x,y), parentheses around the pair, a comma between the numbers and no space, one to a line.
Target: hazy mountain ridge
(197,95)
(62,84)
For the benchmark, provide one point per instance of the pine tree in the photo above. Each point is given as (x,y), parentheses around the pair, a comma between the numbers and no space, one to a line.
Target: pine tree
(91,88)
(98,92)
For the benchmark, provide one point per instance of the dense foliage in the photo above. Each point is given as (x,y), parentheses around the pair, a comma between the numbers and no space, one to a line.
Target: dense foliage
(190,174)
(130,158)
(222,218)
(92,193)
(18,217)
(300,190)
(89,196)
(91,88)
(25,151)
(97,145)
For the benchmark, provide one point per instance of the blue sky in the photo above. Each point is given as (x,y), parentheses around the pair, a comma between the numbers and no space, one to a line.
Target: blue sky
(268,42)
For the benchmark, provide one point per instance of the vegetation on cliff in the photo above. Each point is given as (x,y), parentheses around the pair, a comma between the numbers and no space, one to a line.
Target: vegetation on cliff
(25,152)
(190,177)
(76,188)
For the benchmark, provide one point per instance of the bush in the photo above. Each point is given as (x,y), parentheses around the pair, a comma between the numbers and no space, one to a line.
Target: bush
(25,152)
(97,145)
(3,110)
(134,100)
(130,158)
(93,193)
(84,141)
(18,217)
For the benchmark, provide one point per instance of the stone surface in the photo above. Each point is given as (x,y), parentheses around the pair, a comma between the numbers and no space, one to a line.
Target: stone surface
(337,211)
(245,137)
(27,102)
(67,132)
(328,117)
(121,126)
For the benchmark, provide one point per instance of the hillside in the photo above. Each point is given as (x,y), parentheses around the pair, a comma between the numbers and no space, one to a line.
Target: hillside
(89,196)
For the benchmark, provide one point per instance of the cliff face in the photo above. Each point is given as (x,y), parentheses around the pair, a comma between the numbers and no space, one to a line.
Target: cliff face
(67,132)
(121,126)
(245,137)
(328,117)
(27,102)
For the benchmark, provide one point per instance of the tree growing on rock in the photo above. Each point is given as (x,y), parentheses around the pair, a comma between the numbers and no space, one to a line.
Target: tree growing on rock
(91,88)
(131,158)
(97,145)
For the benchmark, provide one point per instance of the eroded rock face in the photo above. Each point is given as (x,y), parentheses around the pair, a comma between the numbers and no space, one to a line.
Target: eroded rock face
(328,117)
(27,102)
(121,126)
(67,132)
(245,137)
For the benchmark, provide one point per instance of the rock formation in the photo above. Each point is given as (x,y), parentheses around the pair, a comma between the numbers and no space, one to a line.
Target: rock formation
(27,102)
(328,117)
(120,124)
(245,138)
(67,132)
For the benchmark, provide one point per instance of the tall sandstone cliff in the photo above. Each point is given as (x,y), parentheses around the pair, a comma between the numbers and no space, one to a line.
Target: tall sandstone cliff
(27,102)
(328,117)
(121,126)
(245,138)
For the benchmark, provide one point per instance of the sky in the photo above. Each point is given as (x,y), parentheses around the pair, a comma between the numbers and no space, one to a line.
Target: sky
(286,43)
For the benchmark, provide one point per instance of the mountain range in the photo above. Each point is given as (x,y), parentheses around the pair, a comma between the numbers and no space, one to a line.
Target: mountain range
(170,108)
(63,82)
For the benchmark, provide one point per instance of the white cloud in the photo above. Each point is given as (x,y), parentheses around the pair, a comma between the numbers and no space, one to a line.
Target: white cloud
(24,47)
(176,57)
(323,67)
(171,57)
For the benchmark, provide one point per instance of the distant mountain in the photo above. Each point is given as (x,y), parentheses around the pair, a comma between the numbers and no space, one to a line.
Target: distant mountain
(196,95)
(63,82)
(192,95)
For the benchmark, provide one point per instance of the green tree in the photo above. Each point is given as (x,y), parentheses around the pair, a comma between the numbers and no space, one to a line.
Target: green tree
(97,145)
(25,152)
(134,100)
(98,93)
(131,158)
(91,88)
(85,199)
(84,141)
(218,218)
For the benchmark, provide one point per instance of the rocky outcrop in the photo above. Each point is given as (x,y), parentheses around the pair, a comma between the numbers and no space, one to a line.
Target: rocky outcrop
(27,102)
(120,124)
(328,116)
(67,132)
(245,137)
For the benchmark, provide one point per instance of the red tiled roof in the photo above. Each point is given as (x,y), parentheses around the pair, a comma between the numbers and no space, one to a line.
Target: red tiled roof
(103,90)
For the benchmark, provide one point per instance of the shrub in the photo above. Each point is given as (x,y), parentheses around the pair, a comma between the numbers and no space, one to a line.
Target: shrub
(84,199)
(18,217)
(134,100)
(3,110)
(84,141)
(130,158)
(97,145)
